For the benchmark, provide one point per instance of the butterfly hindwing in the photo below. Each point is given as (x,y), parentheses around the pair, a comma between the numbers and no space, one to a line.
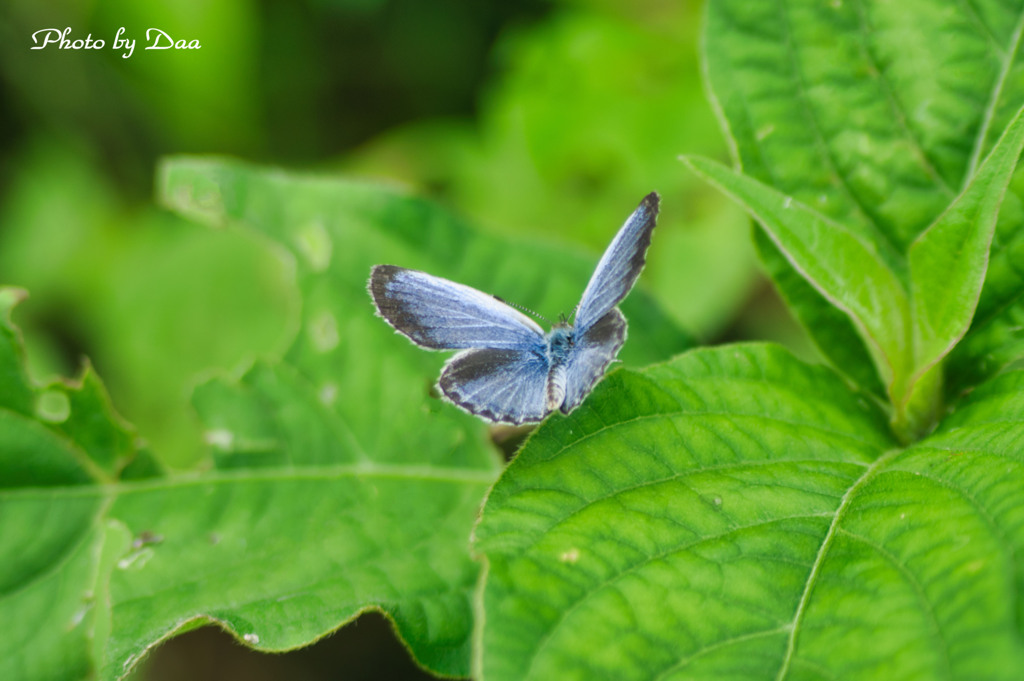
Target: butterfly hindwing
(444,315)
(619,266)
(592,352)
(507,386)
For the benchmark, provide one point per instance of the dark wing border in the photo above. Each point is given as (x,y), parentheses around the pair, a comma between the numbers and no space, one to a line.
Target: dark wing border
(620,265)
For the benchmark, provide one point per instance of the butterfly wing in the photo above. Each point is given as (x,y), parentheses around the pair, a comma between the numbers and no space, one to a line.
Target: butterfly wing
(619,266)
(501,374)
(592,352)
(442,315)
(507,386)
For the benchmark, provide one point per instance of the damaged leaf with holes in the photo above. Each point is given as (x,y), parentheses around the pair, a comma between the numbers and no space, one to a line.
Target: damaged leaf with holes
(61,447)
(313,512)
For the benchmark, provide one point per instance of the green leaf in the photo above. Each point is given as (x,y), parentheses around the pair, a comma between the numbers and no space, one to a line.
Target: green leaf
(831,329)
(58,444)
(827,100)
(827,103)
(996,336)
(737,514)
(282,557)
(949,260)
(841,264)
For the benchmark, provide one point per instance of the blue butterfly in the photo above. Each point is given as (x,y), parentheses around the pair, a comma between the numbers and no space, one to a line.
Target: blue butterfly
(509,370)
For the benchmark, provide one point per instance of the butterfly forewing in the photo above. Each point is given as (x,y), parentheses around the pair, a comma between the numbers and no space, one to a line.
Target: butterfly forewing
(619,266)
(444,315)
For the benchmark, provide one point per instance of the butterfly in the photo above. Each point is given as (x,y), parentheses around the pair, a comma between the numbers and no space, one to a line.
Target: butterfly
(509,370)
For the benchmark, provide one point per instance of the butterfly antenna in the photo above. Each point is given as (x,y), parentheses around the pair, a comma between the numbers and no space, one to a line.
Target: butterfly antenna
(524,309)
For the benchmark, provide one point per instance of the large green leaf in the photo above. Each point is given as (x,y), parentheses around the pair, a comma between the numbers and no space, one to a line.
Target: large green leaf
(830,104)
(104,567)
(282,557)
(742,515)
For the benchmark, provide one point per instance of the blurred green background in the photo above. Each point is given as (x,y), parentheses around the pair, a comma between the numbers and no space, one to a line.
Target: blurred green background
(545,118)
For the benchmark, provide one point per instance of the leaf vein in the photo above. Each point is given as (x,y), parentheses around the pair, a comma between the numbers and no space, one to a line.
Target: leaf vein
(613,579)
(918,591)
(899,115)
(819,138)
(742,638)
(990,109)
(820,559)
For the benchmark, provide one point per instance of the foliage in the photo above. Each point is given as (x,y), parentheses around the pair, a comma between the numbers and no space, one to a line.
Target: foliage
(731,512)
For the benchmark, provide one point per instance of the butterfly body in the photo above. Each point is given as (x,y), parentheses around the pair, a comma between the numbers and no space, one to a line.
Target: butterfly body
(509,370)
(560,344)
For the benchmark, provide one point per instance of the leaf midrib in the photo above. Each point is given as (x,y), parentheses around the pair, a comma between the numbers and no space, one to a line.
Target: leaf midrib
(313,473)
(819,560)
(894,104)
(990,110)
(884,238)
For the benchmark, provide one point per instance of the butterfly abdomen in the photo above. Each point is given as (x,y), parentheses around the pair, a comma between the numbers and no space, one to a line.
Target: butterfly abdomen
(560,343)
(556,387)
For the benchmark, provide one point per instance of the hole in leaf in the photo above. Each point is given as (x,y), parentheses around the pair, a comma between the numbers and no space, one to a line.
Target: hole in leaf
(53,406)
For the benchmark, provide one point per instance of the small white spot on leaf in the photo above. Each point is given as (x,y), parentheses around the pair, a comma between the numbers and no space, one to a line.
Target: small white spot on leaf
(570,556)
(136,560)
(323,332)
(718,501)
(77,617)
(53,406)
(788,202)
(209,200)
(328,393)
(220,438)
(314,243)
(251,639)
